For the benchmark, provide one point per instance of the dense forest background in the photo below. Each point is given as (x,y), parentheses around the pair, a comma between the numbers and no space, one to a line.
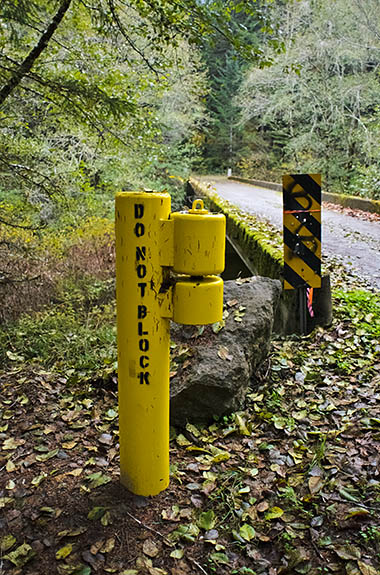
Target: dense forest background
(314,108)
(105,95)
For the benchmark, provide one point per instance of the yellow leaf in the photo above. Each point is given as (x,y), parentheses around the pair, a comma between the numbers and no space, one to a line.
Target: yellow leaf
(150,548)
(108,545)
(10,466)
(274,513)
(69,444)
(12,443)
(7,542)
(366,569)
(76,472)
(64,551)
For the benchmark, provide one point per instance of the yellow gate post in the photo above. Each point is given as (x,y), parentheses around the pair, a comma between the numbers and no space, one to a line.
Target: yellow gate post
(151,243)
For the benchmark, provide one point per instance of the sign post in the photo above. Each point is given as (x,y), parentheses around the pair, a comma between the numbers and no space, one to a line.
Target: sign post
(302,238)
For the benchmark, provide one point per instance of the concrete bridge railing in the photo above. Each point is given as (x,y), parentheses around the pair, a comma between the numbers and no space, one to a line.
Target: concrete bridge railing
(353,202)
(260,246)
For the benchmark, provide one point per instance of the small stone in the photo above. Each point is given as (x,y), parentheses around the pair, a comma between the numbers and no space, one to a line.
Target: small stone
(212,534)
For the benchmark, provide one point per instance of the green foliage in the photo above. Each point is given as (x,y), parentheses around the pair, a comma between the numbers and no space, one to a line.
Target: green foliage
(365,181)
(224,138)
(76,336)
(363,310)
(114,91)
(317,106)
(108,103)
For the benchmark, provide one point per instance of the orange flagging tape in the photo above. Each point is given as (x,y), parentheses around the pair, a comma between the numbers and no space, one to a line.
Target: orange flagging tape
(299,211)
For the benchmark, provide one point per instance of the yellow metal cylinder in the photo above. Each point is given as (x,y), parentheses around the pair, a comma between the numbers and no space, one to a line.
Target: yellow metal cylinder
(198,301)
(143,343)
(199,241)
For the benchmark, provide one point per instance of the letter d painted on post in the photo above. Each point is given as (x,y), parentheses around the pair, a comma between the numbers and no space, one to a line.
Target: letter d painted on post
(139,211)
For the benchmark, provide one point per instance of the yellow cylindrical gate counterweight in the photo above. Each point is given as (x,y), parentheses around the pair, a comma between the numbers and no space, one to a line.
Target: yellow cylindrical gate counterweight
(143,343)
(198,300)
(199,241)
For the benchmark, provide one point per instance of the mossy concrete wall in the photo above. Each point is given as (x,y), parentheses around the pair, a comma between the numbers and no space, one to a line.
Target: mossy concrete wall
(261,243)
(353,202)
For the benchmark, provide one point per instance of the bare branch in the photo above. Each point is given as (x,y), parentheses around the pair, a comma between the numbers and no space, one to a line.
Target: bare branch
(30,180)
(19,226)
(128,39)
(25,66)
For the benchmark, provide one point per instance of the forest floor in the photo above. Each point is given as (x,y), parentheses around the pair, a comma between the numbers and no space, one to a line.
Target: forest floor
(290,484)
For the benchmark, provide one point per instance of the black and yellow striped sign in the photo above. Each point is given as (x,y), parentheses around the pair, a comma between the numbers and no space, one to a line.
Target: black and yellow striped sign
(302,230)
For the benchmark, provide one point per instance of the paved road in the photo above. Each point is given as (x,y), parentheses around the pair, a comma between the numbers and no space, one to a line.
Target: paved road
(353,241)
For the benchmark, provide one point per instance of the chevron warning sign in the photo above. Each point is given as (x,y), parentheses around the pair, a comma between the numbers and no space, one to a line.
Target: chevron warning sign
(302,230)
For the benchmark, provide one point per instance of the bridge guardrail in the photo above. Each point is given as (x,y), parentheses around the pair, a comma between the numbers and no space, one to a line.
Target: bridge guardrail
(264,253)
(354,202)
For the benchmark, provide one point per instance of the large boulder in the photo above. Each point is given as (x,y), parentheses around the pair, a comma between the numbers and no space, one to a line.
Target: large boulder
(211,372)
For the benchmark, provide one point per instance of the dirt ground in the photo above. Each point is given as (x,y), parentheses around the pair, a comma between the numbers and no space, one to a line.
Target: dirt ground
(288,485)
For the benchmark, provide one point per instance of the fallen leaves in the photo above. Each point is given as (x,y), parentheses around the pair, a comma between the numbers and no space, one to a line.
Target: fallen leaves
(106,439)
(21,555)
(150,548)
(366,569)
(96,479)
(7,542)
(347,552)
(48,455)
(74,532)
(315,484)
(5,501)
(103,546)
(247,532)
(206,520)
(224,354)
(64,552)
(290,481)
(274,513)
(12,443)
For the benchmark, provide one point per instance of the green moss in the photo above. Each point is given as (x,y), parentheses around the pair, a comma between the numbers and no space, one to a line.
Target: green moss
(260,241)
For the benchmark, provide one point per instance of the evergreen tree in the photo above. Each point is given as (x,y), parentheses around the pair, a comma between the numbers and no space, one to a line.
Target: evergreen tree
(225,138)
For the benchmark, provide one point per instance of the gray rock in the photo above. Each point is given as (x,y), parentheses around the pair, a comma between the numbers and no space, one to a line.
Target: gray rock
(215,379)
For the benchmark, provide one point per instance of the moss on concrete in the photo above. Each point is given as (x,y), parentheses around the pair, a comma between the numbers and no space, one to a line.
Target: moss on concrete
(260,241)
(353,202)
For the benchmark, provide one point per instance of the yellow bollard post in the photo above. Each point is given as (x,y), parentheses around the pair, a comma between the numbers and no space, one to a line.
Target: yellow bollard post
(150,243)
(143,342)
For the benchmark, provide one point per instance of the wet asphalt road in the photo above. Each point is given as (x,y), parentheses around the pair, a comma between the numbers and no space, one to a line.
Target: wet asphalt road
(351,240)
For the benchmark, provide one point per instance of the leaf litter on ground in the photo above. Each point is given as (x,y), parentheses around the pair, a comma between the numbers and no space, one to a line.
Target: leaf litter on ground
(289,484)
